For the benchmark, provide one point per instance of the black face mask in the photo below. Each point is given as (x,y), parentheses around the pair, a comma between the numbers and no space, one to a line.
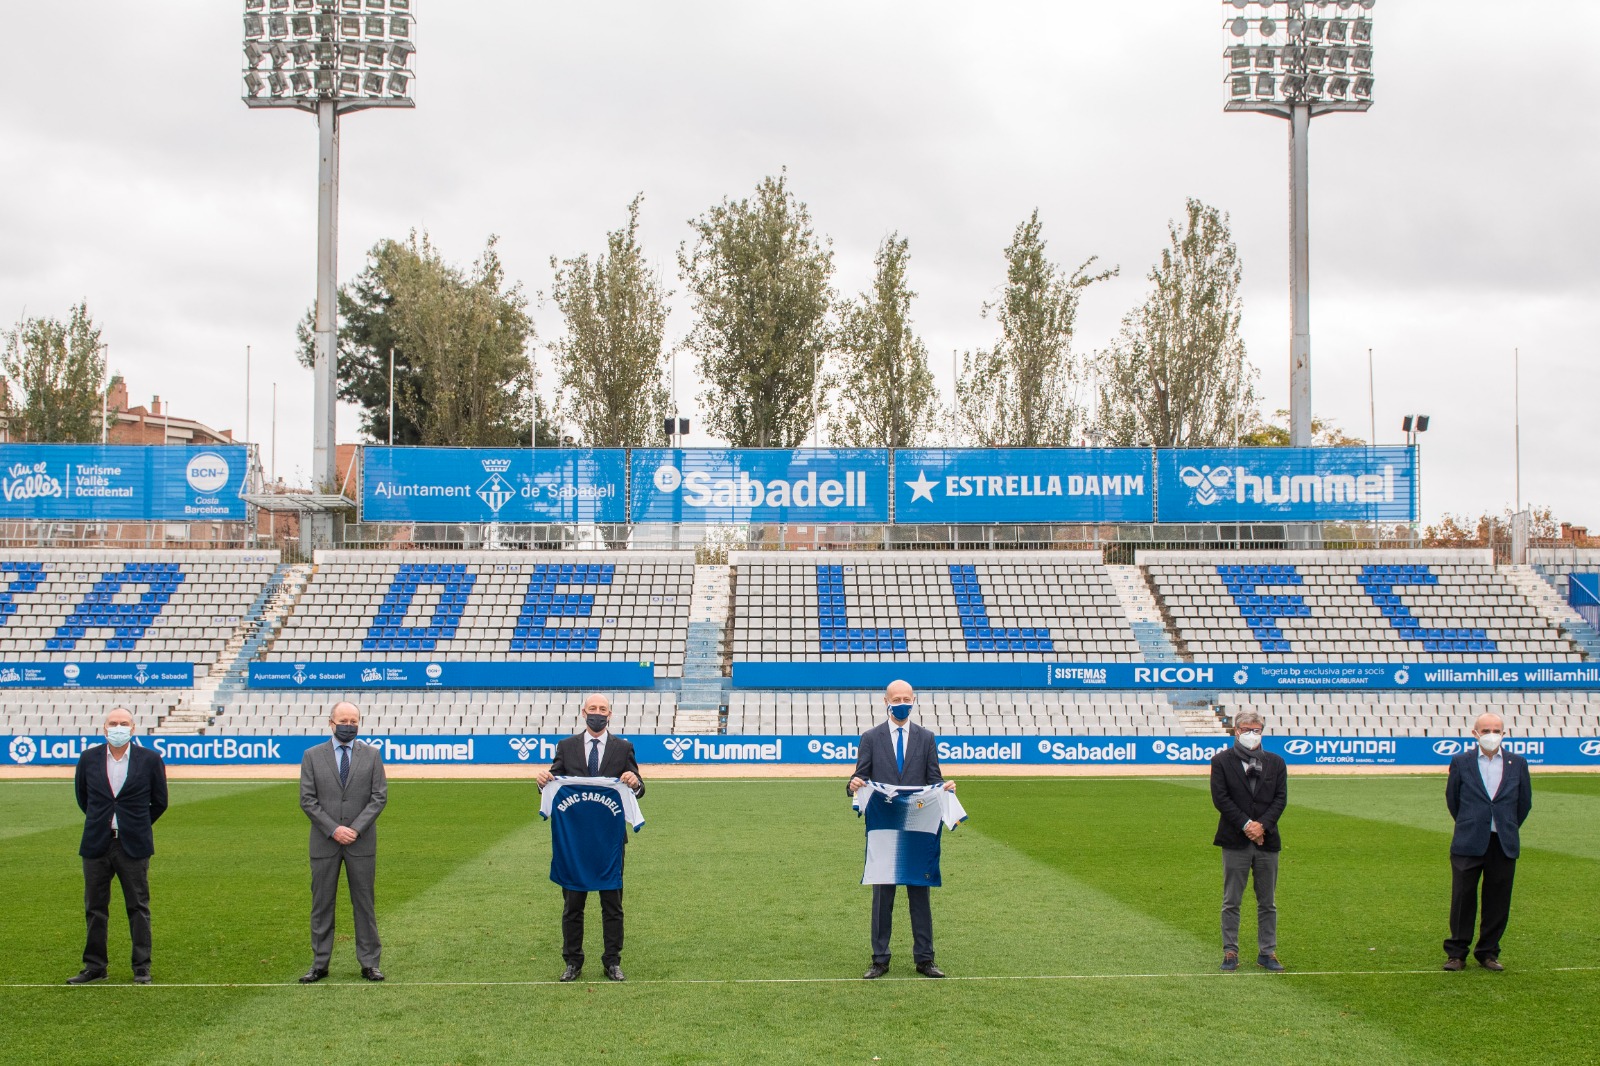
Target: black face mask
(597,722)
(345,733)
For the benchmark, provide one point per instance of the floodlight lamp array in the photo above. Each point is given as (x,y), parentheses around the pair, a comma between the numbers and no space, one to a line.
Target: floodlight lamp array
(1285,52)
(357,52)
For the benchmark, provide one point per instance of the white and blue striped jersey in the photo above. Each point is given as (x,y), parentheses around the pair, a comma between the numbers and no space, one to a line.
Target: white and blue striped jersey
(589,819)
(903,827)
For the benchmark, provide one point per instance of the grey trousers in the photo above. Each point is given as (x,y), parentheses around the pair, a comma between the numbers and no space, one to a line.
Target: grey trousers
(1238,864)
(360,871)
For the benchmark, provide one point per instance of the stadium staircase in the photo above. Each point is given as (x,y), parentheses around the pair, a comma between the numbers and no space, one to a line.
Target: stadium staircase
(1196,710)
(261,623)
(702,698)
(1541,590)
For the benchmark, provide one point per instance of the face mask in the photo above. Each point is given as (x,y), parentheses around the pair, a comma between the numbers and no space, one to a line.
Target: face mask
(346,733)
(119,735)
(1249,741)
(901,711)
(597,722)
(1489,742)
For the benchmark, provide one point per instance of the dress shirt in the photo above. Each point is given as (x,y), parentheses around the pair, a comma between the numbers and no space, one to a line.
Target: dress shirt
(117,774)
(1493,769)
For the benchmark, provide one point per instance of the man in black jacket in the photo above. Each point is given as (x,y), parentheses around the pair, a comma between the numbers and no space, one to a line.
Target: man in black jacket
(1490,795)
(1250,788)
(122,790)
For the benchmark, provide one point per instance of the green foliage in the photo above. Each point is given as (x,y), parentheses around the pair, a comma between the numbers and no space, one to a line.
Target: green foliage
(1325,433)
(610,364)
(887,391)
(1024,391)
(1178,376)
(759,276)
(54,373)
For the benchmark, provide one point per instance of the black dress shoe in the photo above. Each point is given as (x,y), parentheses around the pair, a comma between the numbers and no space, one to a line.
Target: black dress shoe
(875,971)
(141,978)
(1455,964)
(1489,962)
(372,973)
(928,969)
(313,975)
(87,977)
(571,972)
(614,973)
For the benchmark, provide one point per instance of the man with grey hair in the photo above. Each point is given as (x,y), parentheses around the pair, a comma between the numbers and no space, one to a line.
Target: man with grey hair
(1249,788)
(1489,794)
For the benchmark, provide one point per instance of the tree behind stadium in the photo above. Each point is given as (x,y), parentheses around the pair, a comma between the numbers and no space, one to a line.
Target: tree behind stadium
(1178,376)
(760,277)
(54,375)
(886,387)
(1023,392)
(459,337)
(610,364)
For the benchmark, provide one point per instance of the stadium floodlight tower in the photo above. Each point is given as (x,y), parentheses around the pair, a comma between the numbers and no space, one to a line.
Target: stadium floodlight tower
(328,57)
(1297,59)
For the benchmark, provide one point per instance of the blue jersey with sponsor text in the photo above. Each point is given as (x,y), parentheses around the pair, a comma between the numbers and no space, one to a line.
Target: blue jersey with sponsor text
(903,827)
(589,820)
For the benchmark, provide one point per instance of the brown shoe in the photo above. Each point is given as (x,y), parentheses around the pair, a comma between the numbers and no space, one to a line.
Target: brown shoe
(1455,964)
(1489,962)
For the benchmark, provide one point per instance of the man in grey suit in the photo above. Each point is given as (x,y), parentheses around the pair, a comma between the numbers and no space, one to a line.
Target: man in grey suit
(343,789)
(899,752)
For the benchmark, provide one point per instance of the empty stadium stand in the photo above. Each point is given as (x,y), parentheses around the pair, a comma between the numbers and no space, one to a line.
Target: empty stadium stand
(1400,714)
(959,713)
(1323,606)
(478,606)
(920,606)
(444,713)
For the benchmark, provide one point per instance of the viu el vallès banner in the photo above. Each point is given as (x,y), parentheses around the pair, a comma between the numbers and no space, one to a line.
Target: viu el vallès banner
(961,485)
(815,486)
(494,485)
(122,482)
(1286,484)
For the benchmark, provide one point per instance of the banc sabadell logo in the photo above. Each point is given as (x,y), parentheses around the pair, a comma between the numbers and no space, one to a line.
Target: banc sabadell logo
(207,473)
(701,489)
(23,750)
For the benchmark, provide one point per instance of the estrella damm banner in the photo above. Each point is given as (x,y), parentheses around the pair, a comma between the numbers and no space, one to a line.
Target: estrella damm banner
(1024,485)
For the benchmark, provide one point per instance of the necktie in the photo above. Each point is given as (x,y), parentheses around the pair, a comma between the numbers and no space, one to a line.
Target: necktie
(900,751)
(344,764)
(594,758)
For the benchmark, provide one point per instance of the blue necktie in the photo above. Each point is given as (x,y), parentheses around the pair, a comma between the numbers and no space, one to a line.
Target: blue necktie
(344,764)
(900,750)
(594,758)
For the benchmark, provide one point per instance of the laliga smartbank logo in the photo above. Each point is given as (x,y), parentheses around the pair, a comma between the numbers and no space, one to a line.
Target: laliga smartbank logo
(700,489)
(1212,485)
(23,750)
(497,491)
(207,473)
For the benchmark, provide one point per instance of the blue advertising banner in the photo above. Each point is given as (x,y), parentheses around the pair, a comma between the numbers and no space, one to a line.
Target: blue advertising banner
(96,675)
(393,674)
(1583,595)
(1261,677)
(1024,485)
(537,750)
(494,485)
(122,483)
(815,486)
(1286,484)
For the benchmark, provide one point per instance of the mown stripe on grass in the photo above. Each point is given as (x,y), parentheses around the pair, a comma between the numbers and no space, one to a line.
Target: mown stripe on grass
(50,805)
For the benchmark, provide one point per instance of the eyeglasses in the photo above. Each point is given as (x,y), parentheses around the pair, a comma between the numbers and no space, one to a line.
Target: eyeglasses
(1247,729)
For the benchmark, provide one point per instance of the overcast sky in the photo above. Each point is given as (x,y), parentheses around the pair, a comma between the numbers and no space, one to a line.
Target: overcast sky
(1454,222)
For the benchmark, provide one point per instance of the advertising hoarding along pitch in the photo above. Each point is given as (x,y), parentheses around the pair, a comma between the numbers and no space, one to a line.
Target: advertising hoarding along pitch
(494,485)
(351,676)
(1267,485)
(122,482)
(96,675)
(963,485)
(816,486)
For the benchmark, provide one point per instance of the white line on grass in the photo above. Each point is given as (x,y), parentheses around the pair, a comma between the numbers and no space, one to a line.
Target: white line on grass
(1217,974)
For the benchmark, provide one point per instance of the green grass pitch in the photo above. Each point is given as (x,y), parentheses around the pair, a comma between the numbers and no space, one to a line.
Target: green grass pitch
(1078,918)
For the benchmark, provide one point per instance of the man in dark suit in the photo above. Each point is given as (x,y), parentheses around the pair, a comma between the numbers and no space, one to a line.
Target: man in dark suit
(595,752)
(343,789)
(1249,788)
(1489,794)
(122,790)
(897,751)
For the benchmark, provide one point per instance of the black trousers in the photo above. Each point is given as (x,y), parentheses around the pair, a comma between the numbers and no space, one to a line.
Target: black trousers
(134,876)
(610,926)
(883,922)
(1496,871)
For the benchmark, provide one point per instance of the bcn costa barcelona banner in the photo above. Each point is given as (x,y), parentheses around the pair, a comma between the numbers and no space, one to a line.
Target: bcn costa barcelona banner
(538,750)
(494,485)
(963,485)
(1286,484)
(1160,677)
(815,486)
(122,482)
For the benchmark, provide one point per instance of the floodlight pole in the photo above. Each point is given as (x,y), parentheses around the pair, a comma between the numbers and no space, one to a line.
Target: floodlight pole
(1300,276)
(324,446)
